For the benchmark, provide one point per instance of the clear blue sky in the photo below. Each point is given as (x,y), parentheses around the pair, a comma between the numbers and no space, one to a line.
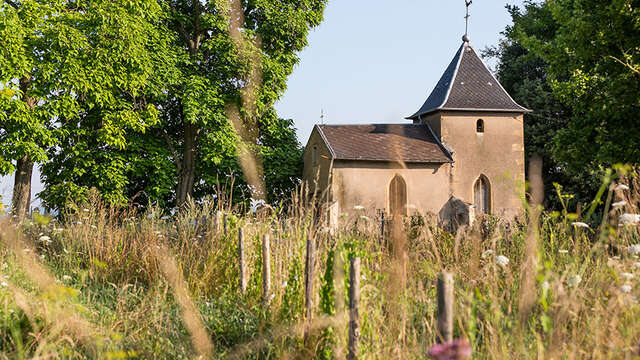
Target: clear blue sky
(374,61)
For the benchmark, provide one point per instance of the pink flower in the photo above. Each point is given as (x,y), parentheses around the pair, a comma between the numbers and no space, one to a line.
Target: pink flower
(456,350)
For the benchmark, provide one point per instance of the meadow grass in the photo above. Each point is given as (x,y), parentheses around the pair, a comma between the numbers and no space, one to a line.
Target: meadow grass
(108,283)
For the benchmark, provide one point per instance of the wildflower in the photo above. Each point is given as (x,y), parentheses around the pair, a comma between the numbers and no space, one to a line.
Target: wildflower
(362,217)
(79,223)
(636,265)
(634,249)
(545,285)
(256,204)
(94,227)
(562,251)
(622,187)
(457,349)
(66,277)
(574,280)
(4,284)
(502,260)
(42,256)
(619,204)
(627,276)
(487,253)
(284,284)
(625,289)
(580,224)
(45,239)
(150,216)
(358,208)
(629,219)
(86,210)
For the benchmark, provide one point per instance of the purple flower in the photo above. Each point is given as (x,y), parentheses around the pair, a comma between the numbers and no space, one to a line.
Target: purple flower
(456,350)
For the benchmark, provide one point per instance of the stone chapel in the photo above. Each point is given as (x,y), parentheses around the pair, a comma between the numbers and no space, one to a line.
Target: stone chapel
(461,155)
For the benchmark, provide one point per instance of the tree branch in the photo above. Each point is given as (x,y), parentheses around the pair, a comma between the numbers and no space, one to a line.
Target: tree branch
(14,4)
(176,157)
(625,64)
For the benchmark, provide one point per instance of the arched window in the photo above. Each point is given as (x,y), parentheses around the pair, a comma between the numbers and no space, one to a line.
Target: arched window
(398,196)
(482,195)
(480,126)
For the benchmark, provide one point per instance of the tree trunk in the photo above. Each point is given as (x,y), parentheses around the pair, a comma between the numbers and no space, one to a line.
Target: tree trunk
(22,188)
(187,174)
(24,167)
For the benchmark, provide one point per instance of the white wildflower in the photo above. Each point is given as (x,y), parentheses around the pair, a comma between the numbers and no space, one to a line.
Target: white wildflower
(363,217)
(86,210)
(574,280)
(634,249)
(626,276)
(42,256)
(622,187)
(629,219)
(45,239)
(636,265)
(619,204)
(79,223)
(502,260)
(4,284)
(284,284)
(255,205)
(94,227)
(563,251)
(545,285)
(625,289)
(66,278)
(358,208)
(487,253)
(580,224)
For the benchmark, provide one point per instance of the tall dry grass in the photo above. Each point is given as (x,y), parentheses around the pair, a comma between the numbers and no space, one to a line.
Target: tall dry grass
(116,284)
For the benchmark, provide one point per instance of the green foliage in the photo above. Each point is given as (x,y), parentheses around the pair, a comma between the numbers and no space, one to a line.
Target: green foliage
(177,68)
(589,58)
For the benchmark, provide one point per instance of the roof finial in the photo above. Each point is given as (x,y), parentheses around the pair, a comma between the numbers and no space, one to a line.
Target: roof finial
(465,38)
(322,116)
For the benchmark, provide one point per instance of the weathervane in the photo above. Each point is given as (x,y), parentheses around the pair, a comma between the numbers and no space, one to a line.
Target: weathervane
(322,116)
(465,38)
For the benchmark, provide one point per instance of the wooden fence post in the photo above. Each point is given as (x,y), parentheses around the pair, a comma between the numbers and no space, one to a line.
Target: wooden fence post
(225,223)
(354,317)
(243,279)
(445,306)
(308,282)
(266,268)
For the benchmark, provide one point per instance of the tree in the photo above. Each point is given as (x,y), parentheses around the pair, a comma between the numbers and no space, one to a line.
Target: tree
(68,63)
(594,63)
(213,82)
(236,56)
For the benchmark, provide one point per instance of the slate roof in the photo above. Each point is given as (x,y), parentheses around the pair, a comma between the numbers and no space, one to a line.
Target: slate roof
(468,85)
(408,143)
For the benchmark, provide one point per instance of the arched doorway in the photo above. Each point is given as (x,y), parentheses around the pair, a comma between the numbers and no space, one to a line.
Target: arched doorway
(398,196)
(482,195)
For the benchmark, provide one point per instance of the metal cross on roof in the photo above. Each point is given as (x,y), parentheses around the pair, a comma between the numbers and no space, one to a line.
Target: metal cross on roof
(465,38)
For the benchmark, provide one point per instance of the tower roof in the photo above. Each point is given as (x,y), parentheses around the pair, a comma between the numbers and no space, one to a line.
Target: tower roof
(468,85)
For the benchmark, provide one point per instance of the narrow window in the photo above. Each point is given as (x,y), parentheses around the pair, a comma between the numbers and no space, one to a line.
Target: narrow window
(480,126)
(314,154)
(398,196)
(482,195)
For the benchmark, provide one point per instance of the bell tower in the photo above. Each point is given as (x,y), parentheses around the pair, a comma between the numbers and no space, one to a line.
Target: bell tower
(481,127)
